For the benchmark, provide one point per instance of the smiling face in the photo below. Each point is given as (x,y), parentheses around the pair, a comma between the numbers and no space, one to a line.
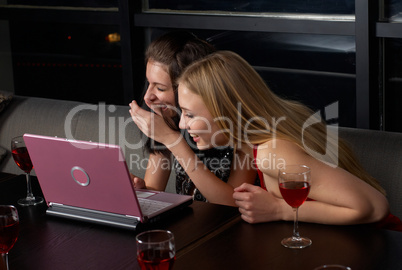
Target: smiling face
(160,93)
(198,121)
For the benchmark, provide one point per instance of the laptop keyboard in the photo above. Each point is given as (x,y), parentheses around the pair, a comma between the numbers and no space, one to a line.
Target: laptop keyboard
(148,207)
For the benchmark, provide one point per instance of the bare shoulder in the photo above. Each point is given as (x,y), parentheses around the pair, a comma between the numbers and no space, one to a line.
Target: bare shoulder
(276,153)
(279,147)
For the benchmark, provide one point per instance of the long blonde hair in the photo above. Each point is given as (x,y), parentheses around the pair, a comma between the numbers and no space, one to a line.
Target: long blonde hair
(232,90)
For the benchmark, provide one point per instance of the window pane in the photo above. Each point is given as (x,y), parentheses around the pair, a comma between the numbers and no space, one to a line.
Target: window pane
(66,3)
(393,10)
(292,6)
(393,85)
(66,61)
(314,69)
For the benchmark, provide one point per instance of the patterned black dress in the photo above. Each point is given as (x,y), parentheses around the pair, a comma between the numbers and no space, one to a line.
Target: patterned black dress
(217,160)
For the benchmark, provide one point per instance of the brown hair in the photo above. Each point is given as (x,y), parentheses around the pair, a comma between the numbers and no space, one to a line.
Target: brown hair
(175,50)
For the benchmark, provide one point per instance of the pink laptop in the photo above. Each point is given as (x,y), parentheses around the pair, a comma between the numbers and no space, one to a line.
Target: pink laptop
(90,181)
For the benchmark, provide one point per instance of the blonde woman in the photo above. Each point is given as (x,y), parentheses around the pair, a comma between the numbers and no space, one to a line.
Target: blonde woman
(273,132)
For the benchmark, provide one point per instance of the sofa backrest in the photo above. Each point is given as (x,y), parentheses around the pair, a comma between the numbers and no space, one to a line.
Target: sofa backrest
(69,119)
(380,153)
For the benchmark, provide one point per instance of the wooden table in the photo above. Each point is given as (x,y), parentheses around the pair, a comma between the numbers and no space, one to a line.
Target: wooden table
(5,176)
(207,236)
(258,246)
(47,242)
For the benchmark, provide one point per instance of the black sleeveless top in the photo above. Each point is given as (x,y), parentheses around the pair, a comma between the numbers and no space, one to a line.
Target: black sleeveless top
(217,160)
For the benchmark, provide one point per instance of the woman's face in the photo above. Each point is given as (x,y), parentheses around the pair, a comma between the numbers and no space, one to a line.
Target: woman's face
(198,121)
(160,93)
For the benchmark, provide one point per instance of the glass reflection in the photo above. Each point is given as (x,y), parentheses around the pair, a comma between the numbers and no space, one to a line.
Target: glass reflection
(317,70)
(393,10)
(286,6)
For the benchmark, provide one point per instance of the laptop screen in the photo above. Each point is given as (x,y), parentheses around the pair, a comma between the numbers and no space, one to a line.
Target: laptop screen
(83,174)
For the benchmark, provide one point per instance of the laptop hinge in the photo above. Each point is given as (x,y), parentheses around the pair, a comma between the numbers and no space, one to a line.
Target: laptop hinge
(94,216)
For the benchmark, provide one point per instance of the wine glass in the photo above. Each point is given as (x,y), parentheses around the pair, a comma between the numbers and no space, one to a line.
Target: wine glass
(294,184)
(9,226)
(156,250)
(21,157)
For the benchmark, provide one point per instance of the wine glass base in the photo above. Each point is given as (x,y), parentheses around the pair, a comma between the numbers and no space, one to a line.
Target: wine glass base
(296,242)
(30,201)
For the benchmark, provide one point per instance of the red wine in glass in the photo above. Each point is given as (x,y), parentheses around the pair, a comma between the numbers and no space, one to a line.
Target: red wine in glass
(9,228)
(156,250)
(294,185)
(294,192)
(156,259)
(8,236)
(21,157)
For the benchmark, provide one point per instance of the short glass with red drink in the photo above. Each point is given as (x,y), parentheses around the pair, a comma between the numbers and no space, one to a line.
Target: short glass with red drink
(156,250)
(9,228)
(23,161)
(294,184)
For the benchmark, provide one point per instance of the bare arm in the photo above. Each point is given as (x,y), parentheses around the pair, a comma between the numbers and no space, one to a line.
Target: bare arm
(156,175)
(339,197)
(158,172)
(213,188)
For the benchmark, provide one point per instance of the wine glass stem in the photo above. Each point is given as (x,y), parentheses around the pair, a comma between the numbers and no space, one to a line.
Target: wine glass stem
(295,223)
(5,259)
(29,186)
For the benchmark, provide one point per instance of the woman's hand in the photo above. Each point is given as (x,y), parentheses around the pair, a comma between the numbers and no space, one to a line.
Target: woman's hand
(138,183)
(256,204)
(153,126)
